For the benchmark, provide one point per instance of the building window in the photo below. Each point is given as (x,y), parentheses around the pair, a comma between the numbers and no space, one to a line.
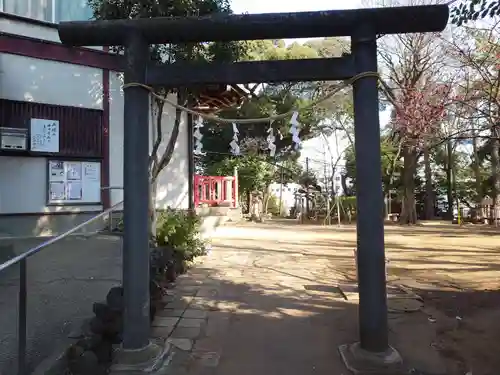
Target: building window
(75,10)
(49,10)
(36,9)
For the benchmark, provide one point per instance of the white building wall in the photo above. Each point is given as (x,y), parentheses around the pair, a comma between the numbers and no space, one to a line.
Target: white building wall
(116,136)
(23,179)
(16,27)
(50,82)
(172,184)
(23,187)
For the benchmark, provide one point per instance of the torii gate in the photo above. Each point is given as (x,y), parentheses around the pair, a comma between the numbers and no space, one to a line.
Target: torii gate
(363,25)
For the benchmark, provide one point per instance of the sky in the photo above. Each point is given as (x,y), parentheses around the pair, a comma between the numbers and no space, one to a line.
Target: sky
(275,6)
(316,150)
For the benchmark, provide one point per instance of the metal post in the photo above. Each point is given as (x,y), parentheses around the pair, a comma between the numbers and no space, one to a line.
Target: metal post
(281,190)
(328,213)
(22,319)
(110,221)
(337,200)
(389,203)
(236,188)
(136,197)
(307,187)
(191,167)
(373,326)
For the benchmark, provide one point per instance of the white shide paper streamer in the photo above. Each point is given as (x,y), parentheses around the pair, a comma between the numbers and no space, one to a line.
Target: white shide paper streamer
(295,130)
(198,146)
(235,147)
(270,141)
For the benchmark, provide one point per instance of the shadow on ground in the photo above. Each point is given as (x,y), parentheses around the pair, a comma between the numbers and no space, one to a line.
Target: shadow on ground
(276,329)
(270,320)
(456,276)
(63,282)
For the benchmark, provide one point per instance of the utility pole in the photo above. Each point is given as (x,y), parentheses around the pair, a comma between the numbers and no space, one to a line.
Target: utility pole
(337,200)
(325,172)
(326,193)
(281,189)
(191,163)
(307,187)
(333,179)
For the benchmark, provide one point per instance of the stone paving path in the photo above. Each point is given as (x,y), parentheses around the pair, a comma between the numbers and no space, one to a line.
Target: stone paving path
(263,302)
(245,311)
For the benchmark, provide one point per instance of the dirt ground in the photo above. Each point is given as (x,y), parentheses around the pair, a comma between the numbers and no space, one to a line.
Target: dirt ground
(455,270)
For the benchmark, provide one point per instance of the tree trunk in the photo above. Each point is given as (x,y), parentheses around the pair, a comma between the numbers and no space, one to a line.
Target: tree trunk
(153,215)
(449,180)
(158,163)
(345,188)
(429,190)
(408,209)
(477,174)
(267,196)
(456,199)
(495,171)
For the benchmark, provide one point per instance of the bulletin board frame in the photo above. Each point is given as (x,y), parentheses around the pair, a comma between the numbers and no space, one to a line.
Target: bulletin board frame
(74,182)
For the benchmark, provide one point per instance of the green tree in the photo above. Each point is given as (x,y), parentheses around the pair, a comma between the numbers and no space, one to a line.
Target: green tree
(254,173)
(165,54)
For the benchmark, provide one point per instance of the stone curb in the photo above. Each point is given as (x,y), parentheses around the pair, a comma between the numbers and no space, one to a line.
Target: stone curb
(57,364)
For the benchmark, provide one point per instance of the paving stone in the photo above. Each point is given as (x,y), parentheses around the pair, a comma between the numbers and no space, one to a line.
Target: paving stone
(202,303)
(186,332)
(217,324)
(187,291)
(183,344)
(180,361)
(208,344)
(189,322)
(171,313)
(212,283)
(188,282)
(209,359)
(228,305)
(206,292)
(199,271)
(194,314)
(177,305)
(161,332)
(187,288)
(167,298)
(165,321)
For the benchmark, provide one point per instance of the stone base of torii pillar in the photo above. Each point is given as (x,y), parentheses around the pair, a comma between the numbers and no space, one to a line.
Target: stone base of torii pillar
(152,360)
(360,361)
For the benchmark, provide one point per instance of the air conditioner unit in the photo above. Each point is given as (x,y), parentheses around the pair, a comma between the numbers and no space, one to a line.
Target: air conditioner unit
(13,139)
